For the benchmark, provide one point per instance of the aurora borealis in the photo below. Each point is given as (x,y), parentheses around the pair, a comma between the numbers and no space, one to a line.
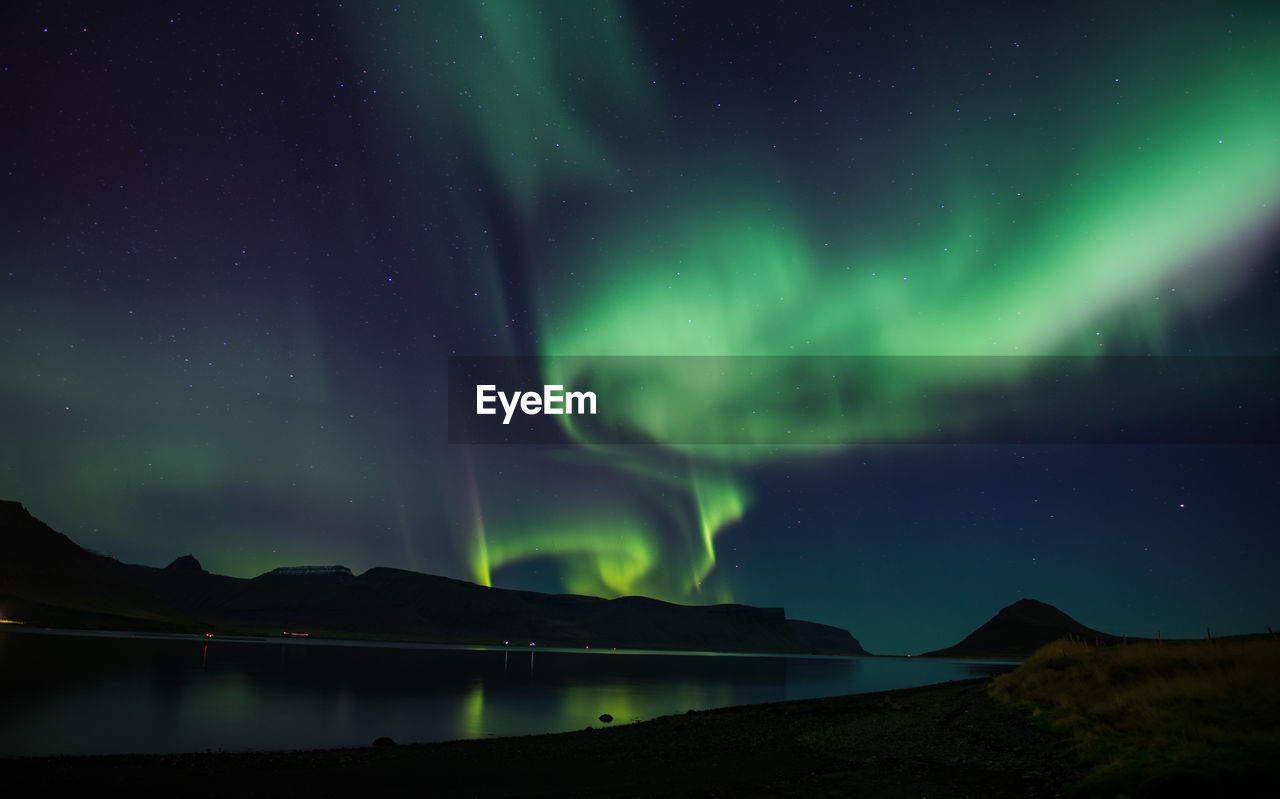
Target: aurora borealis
(239,249)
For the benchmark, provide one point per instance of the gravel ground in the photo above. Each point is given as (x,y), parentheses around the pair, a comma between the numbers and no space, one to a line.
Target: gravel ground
(948,740)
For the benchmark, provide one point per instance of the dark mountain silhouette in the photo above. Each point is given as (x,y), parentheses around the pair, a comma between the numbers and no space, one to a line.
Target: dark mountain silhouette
(1019,630)
(186,563)
(46,578)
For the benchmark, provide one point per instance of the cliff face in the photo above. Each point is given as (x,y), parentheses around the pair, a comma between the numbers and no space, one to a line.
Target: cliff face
(57,582)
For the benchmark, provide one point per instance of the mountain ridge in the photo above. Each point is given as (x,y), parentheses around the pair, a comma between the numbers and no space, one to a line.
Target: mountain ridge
(49,577)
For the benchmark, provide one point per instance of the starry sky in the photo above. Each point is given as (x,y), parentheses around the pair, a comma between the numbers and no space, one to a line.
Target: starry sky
(240,246)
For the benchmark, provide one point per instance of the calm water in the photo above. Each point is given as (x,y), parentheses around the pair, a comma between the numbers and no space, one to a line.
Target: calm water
(77,694)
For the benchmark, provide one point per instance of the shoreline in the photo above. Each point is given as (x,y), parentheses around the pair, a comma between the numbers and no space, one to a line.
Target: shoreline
(306,639)
(395,643)
(948,738)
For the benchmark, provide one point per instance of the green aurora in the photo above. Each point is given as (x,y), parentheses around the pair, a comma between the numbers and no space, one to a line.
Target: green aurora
(237,264)
(1080,219)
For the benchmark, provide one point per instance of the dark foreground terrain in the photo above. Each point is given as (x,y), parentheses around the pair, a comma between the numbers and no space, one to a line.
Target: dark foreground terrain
(945,740)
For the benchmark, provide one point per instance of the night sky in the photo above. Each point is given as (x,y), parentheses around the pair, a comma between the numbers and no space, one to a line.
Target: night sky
(240,244)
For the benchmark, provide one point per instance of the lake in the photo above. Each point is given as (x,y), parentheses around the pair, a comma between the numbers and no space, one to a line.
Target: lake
(113,694)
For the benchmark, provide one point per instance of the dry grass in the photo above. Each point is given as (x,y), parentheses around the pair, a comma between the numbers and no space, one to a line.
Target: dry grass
(1188,717)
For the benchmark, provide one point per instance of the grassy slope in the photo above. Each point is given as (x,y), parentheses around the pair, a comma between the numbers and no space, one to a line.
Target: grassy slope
(1185,718)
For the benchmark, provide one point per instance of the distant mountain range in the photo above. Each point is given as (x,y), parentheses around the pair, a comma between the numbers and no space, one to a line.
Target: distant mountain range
(1019,630)
(46,578)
